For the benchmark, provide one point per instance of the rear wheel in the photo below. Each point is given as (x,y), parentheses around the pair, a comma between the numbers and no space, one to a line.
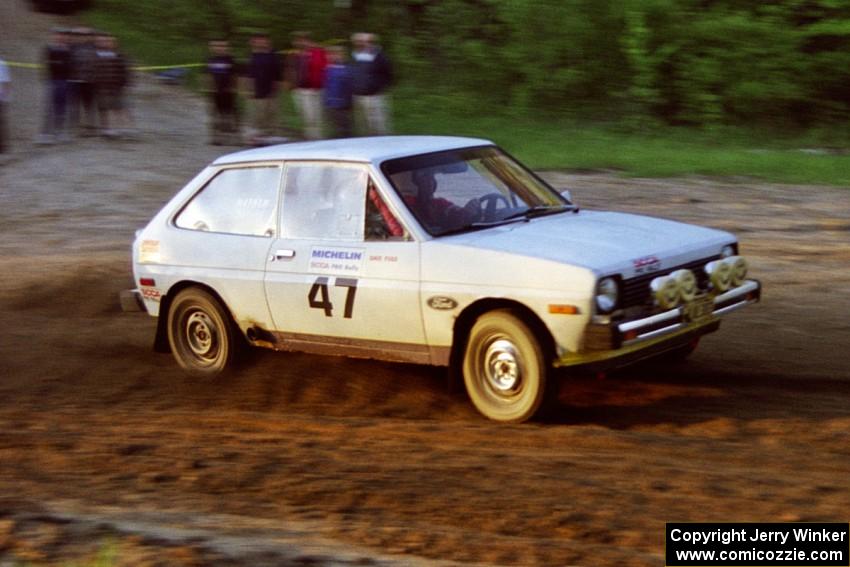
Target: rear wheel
(202,338)
(505,369)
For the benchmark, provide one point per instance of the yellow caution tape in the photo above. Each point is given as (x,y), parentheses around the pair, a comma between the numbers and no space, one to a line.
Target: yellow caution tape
(163,67)
(24,65)
(142,68)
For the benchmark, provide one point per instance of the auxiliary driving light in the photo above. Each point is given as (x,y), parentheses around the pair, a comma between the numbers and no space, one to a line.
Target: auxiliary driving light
(665,289)
(720,274)
(687,284)
(739,269)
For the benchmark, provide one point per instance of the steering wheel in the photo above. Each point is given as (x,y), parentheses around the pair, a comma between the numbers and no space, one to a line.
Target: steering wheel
(489,204)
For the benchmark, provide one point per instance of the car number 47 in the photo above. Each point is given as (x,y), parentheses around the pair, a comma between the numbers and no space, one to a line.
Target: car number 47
(320,297)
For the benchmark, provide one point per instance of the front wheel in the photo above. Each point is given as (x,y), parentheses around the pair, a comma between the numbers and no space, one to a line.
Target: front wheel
(505,368)
(202,338)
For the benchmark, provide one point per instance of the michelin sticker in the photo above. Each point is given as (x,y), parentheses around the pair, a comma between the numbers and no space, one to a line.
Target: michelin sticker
(335,260)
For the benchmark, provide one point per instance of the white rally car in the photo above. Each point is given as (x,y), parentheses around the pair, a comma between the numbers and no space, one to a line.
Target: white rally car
(435,250)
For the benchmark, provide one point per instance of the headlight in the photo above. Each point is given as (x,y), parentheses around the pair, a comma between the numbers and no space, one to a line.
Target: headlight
(607,293)
(665,289)
(687,284)
(728,250)
(720,274)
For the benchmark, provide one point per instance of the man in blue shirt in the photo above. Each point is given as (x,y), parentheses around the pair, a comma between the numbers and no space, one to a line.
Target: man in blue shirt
(338,93)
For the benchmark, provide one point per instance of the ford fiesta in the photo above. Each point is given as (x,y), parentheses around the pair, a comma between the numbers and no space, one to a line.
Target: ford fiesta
(434,250)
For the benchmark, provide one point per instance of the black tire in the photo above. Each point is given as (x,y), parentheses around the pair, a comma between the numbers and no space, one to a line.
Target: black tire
(505,368)
(203,340)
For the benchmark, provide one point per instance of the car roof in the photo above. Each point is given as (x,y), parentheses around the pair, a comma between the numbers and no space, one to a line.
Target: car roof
(373,149)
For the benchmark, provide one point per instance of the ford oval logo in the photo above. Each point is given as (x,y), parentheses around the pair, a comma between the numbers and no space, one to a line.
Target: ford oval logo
(441,303)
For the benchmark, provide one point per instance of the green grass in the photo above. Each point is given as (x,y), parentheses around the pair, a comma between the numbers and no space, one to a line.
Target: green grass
(660,152)
(666,155)
(553,143)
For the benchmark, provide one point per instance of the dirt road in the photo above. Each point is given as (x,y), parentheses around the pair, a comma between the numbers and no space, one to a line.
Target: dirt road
(106,450)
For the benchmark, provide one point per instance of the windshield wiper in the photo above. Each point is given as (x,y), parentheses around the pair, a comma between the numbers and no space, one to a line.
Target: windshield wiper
(519,216)
(506,220)
(538,211)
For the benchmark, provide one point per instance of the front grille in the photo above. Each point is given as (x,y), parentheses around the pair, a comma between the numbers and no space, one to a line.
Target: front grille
(635,291)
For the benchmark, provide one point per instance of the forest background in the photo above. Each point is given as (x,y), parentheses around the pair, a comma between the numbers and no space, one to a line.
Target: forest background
(650,87)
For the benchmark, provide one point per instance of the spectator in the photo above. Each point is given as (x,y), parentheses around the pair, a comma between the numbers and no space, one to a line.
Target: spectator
(57,60)
(81,86)
(337,95)
(309,65)
(111,78)
(222,78)
(5,97)
(373,75)
(264,69)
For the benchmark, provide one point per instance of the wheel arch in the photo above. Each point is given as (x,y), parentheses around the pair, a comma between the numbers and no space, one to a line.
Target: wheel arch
(471,313)
(160,343)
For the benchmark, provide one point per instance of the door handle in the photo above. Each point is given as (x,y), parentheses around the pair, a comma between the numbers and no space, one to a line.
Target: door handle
(282,255)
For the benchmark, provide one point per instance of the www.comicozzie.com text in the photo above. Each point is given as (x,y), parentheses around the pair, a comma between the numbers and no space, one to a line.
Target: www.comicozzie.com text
(755,534)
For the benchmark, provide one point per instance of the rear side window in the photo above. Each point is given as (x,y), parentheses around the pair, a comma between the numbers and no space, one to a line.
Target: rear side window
(324,201)
(236,201)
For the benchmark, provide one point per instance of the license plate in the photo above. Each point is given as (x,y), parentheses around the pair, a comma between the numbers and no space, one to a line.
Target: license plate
(699,309)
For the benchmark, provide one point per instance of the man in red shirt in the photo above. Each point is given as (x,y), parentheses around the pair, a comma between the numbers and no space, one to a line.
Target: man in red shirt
(308,69)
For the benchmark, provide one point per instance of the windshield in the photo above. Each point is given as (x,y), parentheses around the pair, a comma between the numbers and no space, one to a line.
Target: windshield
(470,188)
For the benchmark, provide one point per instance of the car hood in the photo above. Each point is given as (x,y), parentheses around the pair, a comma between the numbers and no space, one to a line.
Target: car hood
(604,242)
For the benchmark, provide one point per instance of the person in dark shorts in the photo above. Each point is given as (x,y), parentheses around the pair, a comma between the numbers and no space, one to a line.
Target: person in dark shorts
(223,77)
(81,86)
(57,62)
(112,77)
(5,98)
(265,70)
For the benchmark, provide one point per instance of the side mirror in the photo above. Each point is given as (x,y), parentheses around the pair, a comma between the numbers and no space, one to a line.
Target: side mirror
(565,193)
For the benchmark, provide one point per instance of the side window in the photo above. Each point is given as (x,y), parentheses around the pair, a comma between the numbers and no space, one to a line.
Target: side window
(236,201)
(324,201)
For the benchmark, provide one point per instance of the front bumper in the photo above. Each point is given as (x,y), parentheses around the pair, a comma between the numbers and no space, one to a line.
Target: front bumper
(634,332)
(620,343)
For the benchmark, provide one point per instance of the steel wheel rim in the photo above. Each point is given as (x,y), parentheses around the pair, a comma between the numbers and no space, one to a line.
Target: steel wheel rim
(502,367)
(202,336)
